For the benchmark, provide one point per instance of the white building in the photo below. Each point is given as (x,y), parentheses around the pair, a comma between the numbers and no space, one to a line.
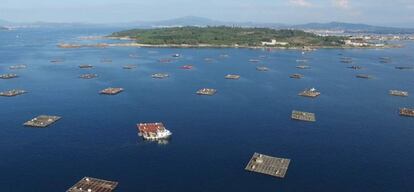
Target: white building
(274,42)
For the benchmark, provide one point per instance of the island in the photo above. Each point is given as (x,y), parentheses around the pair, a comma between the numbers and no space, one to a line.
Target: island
(224,36)
(229,37)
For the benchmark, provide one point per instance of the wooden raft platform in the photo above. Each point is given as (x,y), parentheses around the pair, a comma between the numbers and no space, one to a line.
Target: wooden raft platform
(111,91)
(310,93)
(398,93)
(12,93)
(268,165)
(303,67)
(88,76)
(364,76)
(160,75)
(303,116)
(262,68)
(42,121)
(407,112)
(296,76)
(206,91)
(89,184)
(22,66)
(231,76)
(8,76)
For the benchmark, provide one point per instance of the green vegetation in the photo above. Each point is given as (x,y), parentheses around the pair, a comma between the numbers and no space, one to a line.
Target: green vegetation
(226,36)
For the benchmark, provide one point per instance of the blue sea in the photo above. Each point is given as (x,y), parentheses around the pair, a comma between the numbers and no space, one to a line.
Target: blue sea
(358,143)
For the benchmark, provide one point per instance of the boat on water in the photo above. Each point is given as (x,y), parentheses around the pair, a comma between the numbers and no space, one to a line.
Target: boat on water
(153,131)
(186,67)
(176,55)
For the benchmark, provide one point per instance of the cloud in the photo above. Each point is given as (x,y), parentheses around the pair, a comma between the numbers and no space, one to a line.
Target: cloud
(301,3)
(343,4)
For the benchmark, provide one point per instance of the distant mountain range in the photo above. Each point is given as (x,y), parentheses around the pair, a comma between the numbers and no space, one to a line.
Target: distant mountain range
(200,21)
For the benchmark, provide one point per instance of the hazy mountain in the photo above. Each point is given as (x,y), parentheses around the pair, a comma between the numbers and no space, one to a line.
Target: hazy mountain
(4,22)
(351,27)
(200,21)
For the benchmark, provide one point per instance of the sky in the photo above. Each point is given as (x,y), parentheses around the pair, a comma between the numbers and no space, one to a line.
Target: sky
(378,12)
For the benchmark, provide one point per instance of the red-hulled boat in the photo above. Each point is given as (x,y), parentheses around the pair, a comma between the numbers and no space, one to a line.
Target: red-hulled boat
(186,67)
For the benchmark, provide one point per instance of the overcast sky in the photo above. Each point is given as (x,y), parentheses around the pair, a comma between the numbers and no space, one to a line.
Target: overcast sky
(379,12)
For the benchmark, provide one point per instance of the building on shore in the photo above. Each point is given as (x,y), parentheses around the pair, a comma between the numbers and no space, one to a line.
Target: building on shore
(274,42)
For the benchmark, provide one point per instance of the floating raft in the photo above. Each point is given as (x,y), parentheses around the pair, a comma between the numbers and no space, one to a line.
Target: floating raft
(268,165)
(18,66)
(8,76)
(230,76)
(56,61)
(385,59)
(262,68)
(355,67)
(296,76)
(133,55)
(164,60)
(303,116)
(88,76)
(89,184)
(310,93)
(85,66)
(407,112)
(206,91)
(111,91)
(208,60)
(303,67)
(42,121)
(129,67)
(364,76)
(404,67)
(398,93)
(346,60)
(254,60)
(12,93)
(224,56)
(153,131)
(106,60)
(160,75)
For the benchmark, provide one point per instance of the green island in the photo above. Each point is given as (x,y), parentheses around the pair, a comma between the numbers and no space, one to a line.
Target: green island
(228,37)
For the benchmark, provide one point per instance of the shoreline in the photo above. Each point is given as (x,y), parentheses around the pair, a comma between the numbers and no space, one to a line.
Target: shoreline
(135,44)
(306,48)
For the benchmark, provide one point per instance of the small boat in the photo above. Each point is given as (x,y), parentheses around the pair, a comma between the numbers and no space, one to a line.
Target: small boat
(186,67)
